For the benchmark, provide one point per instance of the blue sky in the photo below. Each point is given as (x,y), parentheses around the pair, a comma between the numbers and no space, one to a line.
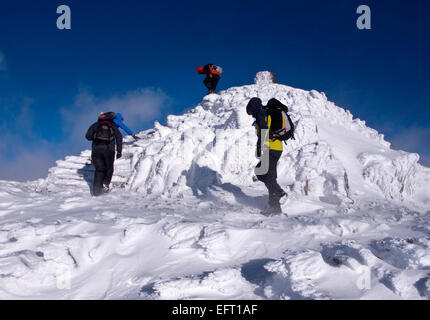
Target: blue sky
(140,57)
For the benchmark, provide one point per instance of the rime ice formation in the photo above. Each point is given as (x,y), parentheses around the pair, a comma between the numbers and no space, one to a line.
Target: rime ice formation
(334,156)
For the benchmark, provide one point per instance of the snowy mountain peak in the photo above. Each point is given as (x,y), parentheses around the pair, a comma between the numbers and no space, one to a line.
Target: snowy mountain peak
(183,221)
(264,78)
(334,158)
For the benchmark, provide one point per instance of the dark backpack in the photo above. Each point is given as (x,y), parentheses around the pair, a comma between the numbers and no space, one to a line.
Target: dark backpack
(282,127)
(104,132)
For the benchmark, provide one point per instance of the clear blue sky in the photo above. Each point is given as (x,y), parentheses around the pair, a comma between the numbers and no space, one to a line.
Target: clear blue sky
(119,47)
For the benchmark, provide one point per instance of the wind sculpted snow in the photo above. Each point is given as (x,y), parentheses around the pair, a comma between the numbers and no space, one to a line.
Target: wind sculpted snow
(183,222)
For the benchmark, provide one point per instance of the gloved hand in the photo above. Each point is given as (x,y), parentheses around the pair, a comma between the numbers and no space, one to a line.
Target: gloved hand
(118,155)
(135,137)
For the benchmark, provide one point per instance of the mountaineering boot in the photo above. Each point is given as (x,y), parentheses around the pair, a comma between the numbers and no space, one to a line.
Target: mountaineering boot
(282,193)
(106,188)
(272,210)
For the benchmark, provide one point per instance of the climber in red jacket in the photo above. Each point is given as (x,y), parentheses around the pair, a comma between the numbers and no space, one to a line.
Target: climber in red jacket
(213,74)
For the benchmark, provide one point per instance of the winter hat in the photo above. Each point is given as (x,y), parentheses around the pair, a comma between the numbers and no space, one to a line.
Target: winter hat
(253,105)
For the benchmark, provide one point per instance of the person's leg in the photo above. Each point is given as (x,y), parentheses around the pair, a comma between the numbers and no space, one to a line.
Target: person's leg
(275,156)
(98,161)
(267,179)
(262,177)
(208,83)
(109,158)
(211,83)
(270,180)
(215,80)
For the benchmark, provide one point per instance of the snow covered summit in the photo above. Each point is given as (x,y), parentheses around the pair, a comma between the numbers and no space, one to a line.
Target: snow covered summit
(334,157)
(183,222)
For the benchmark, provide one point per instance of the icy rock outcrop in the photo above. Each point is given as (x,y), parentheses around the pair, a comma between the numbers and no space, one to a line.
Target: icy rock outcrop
(77,172)
(395,177)
(214,143)
(263,78)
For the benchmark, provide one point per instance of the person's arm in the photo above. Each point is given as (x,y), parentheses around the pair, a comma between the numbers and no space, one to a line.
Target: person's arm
(258,149)
(118,140)
(90,132)
(123,126)
(261,123)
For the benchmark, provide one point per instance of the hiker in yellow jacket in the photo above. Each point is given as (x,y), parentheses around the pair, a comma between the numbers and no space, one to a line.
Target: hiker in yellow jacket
(268,151)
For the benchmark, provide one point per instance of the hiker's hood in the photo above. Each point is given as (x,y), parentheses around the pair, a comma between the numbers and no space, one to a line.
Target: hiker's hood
(254,106)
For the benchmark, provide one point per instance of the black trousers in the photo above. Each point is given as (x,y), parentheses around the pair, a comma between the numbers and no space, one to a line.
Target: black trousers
(269,179)
(211,83)
(103,160)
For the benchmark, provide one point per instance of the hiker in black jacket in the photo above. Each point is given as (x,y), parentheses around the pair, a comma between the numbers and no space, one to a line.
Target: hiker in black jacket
(269,149)
(104,135)
(213,74)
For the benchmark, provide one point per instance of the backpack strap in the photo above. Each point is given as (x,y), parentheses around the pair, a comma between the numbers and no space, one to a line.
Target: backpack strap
(268,132)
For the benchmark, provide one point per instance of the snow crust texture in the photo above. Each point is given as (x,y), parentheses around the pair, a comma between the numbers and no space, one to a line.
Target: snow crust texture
(183,222)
